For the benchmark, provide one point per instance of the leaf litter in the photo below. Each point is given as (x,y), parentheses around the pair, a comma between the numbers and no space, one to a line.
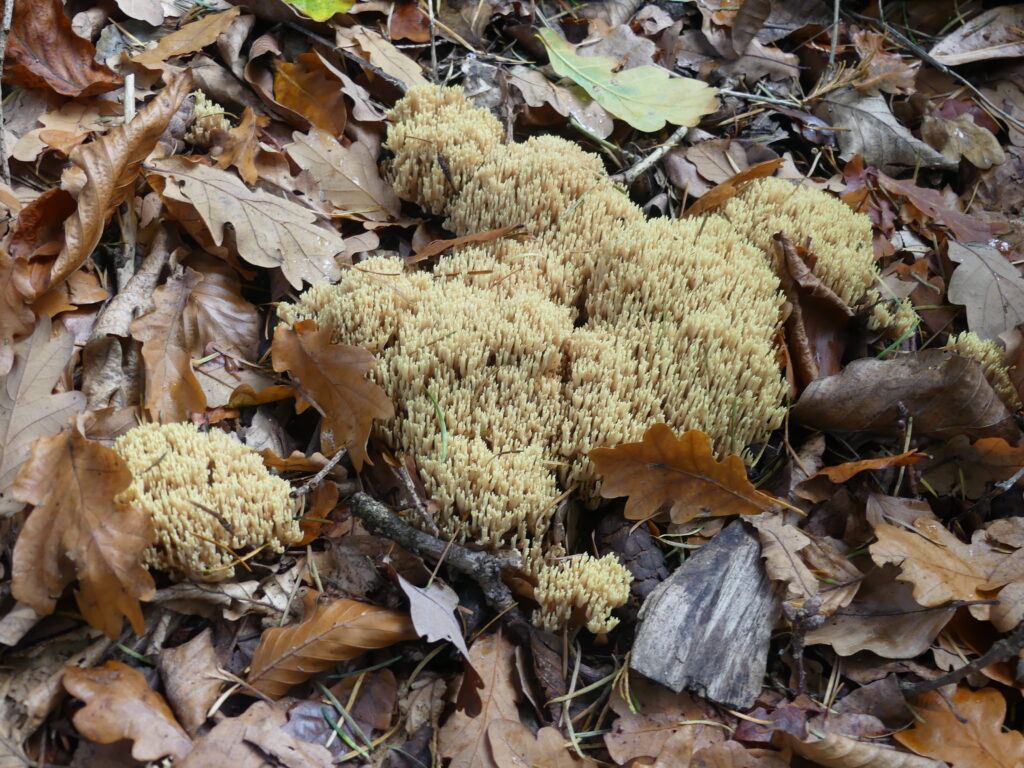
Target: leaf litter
(174,170)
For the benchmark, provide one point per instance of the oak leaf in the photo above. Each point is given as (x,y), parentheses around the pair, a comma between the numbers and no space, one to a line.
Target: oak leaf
(681,473)
(79,528)
(120,705)
(111,165)
(980,742)
(307,88)
(269,231)
(188,39)
(331,377)
(28,410)
(463,738)
(44,52)
(838,749)
(348,176)
(940,566)
(330,632)
(513,744)
(989,286)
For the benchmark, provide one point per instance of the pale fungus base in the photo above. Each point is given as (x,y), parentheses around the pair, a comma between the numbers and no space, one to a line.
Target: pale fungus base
(211,499)
(511,360)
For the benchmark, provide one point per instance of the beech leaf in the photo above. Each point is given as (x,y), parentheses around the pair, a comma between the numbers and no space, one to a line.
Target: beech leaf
(308,88)
(79,528)
(28,410)
(270,231)
(331,632)
(680,473)
(989,286)
(980,742)
(120,705)
(111,165)
(646,97)
(190,38)
(332,378)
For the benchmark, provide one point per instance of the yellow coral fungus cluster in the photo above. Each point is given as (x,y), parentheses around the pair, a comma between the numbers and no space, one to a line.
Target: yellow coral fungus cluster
(210,498)
(209,117)
(511,360)
(990,356)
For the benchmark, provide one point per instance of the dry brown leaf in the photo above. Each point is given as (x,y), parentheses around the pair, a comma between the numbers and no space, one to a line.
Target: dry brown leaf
(190,676)
(437,247)
(538,91)
(330,632)
(28,410)
(680,473)
(513,745)
(946,395)
(79,529)
(463,738)
(432,609)
(962,137)
(886,71)
(980,742)
(120,705)
(989,286)
(189,39)
(348,176)
(172,390)
(308,88)
(15,316)
(269,231)
(939,210)
(838,751)
(940,566)
(381,53)
(991,35)
(239,146)
(733,186)
(44,52)
(111,165)
(732,754)
(973,465)
(332,378)
(840,473)
(258,738)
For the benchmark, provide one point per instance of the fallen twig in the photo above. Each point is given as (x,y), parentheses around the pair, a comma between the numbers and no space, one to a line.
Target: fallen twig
(634,172)
(483,567)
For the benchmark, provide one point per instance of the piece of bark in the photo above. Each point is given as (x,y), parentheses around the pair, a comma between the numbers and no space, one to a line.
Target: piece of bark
(707,627)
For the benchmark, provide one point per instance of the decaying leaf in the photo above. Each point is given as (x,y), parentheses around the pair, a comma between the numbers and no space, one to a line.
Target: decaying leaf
(111,165)
(463,738)
(836,749)
(962,137)
(79,529)
(990,35)
(44,52)
(16,318)
(513,745)
(190,38)
(120,705)
(28,410)
(269,231)
(331,632)
(886,72)
(946,395)
(973,465)
(189,673)
(679,473)
(989,286)
(843,472)
(437,247)
(537,91)
(348,176)
(646,97)
(332,377)
(872,131)
(980,742)
(432,610)
(308,88)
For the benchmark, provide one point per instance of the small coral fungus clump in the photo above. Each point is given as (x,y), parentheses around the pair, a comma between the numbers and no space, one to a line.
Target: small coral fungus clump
(210,498)
(511,360)
(989,356)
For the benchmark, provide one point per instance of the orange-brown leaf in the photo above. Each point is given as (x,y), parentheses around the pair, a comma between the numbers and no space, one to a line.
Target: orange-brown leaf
(120,705)
(238,146)
(731,187)
(111,165)
(663,470)
(978,743)
(332,377)
(78,528)
(307,87)
(190,38)
(44,52)
(436,247)
(840,473)
(330,632)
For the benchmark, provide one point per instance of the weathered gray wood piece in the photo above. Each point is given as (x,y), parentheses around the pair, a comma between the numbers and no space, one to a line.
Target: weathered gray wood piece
(707,627)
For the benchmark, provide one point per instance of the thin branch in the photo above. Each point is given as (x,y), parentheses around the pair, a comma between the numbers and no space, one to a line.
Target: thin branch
(1009,646)
(483,567)
(631,174)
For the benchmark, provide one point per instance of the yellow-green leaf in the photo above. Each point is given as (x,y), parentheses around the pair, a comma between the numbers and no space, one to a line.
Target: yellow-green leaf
(320,10)
(646,97)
